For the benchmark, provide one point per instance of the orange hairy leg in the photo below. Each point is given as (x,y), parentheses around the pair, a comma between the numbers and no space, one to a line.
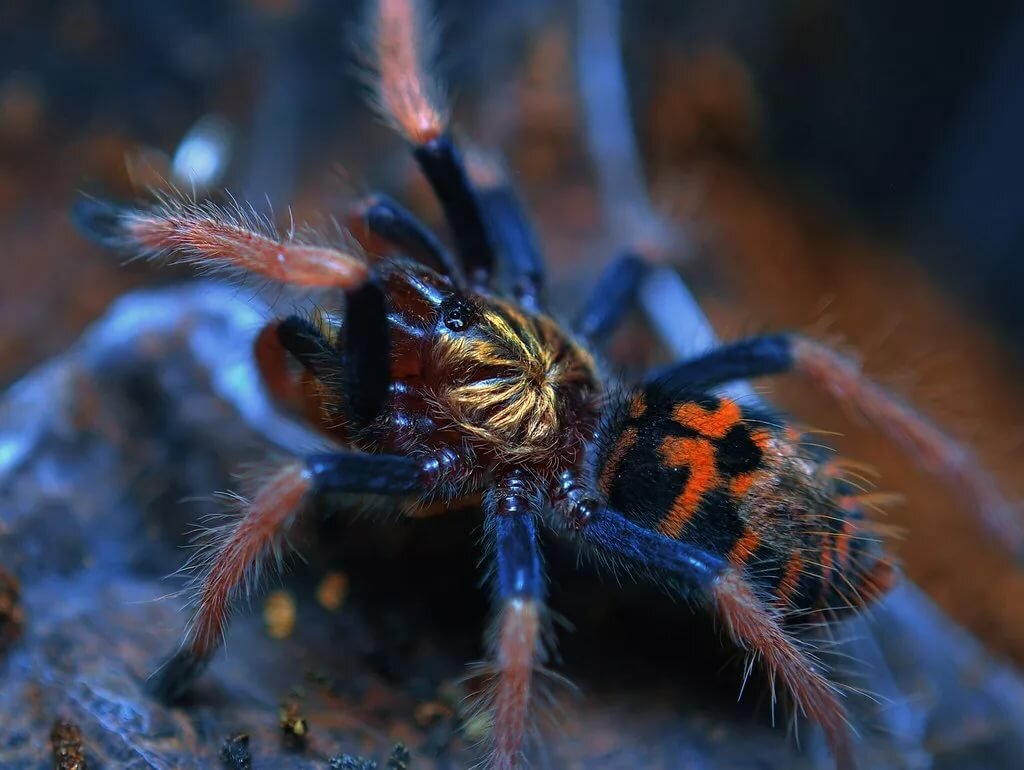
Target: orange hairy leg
(516,650)
(245,545)
(235,554)
(519,588)
(756,628)
(695,573)
(409,98)
(933,449)
(403,49)
(217,238)
(230,564)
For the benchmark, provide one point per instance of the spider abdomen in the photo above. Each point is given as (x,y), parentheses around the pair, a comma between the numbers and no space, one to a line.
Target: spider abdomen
(735,481)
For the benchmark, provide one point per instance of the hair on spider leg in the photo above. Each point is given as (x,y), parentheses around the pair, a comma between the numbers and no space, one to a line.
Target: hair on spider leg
(404,43)
(401,42)
(478,707)
(213,237)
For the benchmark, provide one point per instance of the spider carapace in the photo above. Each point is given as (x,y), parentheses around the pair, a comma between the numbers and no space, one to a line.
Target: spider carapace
(444,378)
(511,386)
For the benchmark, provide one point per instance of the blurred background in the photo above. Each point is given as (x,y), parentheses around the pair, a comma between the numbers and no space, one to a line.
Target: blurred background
(848,169)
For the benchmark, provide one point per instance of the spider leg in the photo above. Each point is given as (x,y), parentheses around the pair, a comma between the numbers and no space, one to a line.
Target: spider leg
(232,563)
(385,218)
(359,372)
(442,165)
(746,359)
(519,588)
(611,138)
(213,238)
(286,386)
(403,48)
(750,620)
(842,377)
(483,212)
(515,243)
(366,348)
(216,238)
(610,300)
(485,216)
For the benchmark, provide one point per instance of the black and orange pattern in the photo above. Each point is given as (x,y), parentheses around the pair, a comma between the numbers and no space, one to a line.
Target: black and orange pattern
(736,481)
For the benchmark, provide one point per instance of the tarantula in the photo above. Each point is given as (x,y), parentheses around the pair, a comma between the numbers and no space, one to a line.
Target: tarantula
(444,377)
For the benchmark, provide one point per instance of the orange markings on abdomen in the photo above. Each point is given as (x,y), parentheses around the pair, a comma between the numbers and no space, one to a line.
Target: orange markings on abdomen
(744,548)
(713,423)
(623,445)
(698,455)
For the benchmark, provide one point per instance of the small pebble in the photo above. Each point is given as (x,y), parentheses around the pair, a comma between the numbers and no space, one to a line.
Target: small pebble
(68,751)
(235,752)
(348,762)
(476,726)
(293,725)
(400,758)
(332,590)
(279,614)
(431,711)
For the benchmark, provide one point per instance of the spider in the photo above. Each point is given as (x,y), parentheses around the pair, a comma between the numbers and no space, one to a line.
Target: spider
(444,378)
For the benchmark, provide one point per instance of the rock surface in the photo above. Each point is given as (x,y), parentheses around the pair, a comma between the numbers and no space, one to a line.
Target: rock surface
(109,455)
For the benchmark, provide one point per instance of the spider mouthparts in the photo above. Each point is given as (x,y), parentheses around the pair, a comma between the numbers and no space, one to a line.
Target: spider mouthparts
(98,220)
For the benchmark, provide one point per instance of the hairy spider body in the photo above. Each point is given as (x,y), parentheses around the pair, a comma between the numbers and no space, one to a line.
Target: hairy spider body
(737,482)
(443,379)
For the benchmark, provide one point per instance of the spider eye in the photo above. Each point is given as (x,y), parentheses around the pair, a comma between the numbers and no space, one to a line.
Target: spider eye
(459,313)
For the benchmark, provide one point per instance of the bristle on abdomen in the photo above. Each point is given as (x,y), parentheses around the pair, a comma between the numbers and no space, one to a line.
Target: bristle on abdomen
(855,568)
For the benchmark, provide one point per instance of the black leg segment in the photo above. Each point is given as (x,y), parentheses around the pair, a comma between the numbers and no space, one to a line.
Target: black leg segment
(512,526)
(518,571)
(443,167)
(367,352)
(310,348)
(744,360)
(98,220)
(618,542)
(386,218)
(612,297)
(365,473)
(519,259)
